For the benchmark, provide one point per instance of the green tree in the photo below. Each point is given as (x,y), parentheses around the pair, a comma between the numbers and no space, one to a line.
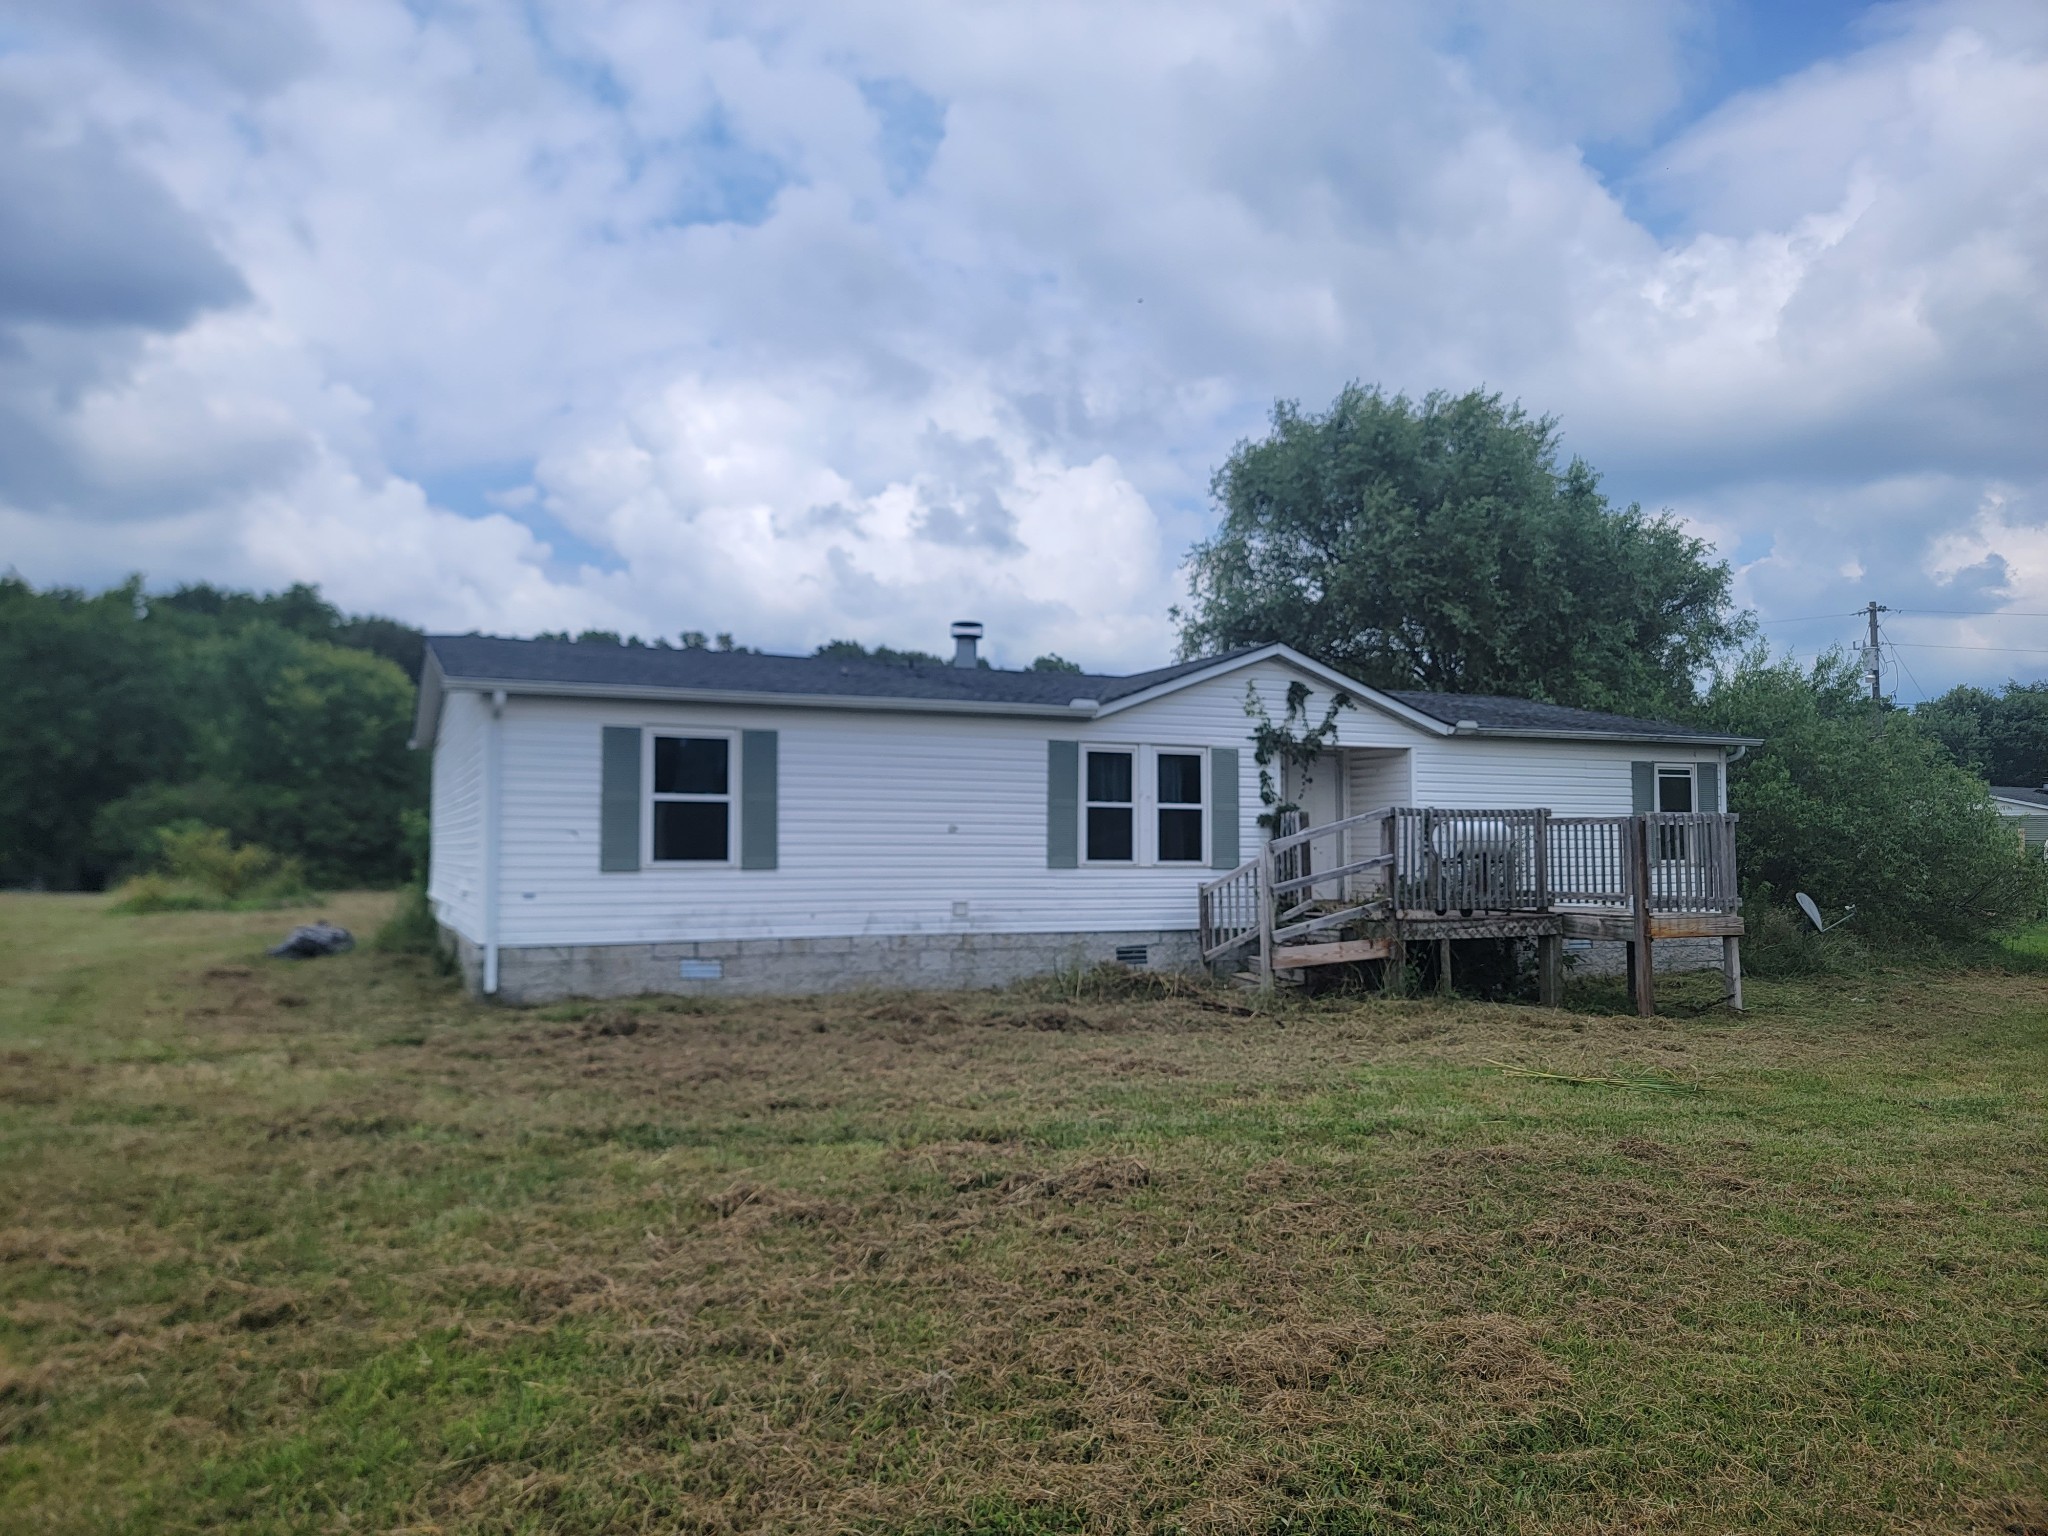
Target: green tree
(302,610)
(1440,546)
(299,746)
(1865,808)
(92,710)
(2002,736)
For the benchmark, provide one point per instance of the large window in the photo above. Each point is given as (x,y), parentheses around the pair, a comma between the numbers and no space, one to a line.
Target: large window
(692,800)
(1180,807)
(1111,816)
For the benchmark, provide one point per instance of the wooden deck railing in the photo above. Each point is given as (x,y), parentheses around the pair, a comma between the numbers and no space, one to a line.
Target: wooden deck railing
(1235,909)
(1418,859)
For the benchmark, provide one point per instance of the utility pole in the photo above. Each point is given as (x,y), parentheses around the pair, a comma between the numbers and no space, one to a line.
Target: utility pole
(1875,669)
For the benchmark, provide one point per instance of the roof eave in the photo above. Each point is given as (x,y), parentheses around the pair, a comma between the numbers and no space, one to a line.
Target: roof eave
(1539,733)
(760,699)
(426,713)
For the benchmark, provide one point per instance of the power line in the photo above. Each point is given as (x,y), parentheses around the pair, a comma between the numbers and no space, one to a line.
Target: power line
(1908,671)
(1972,613)
(1814,618)
(2009,650)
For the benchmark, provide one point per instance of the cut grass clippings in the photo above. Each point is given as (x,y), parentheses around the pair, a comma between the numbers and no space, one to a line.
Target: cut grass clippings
(326,1247)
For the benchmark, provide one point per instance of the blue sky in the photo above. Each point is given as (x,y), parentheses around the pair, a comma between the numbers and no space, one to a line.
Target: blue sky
(801,321)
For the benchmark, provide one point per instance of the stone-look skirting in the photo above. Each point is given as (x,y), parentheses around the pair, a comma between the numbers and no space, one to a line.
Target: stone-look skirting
(1667,956)
(940,961)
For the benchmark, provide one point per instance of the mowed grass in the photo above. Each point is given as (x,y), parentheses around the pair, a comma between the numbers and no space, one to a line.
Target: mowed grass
(326,1247)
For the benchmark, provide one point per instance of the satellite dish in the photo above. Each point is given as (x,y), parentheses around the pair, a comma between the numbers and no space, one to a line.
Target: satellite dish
(1812,911)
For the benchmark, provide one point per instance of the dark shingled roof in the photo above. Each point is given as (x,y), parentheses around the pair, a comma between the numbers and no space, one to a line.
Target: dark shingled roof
(1490,712)
(2035,795)
(484,659)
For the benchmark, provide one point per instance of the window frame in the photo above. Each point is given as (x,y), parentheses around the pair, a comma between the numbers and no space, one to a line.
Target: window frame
(1692,777)
(1135,805)
(1204,807)
(1672,843)
(650,797)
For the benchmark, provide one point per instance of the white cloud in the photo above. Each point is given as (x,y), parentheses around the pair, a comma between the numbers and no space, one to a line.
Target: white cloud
(811,321)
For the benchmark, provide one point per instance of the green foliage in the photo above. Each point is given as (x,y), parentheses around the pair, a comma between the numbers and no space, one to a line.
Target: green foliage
(1293,742)
(300,609)
(1856,805)
(853,650)
(1440,546)
(2003,736)
(1053,663)
(253,714)
(412,929)
(200,867)
(92,710)
(1780,942)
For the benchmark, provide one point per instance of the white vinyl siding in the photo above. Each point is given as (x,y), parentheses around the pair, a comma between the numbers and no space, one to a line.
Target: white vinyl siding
(455,850)
(894,823)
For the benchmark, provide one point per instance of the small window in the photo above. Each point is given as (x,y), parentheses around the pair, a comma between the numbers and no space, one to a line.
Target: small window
(692,800)
(1111,816)
(1180,807)
(1674,794)
(1674,789)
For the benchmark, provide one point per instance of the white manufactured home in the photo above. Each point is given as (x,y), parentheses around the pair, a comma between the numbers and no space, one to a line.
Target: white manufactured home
(610,820)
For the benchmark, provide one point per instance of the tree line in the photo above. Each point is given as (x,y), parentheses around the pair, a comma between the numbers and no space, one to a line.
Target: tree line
(273,717)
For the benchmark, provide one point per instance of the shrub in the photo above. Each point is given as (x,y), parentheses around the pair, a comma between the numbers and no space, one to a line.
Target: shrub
(411,928)
(200,867)
(1780,942)
(1860,806)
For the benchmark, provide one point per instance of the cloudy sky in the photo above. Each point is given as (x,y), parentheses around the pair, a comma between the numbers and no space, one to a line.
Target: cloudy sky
(802,320)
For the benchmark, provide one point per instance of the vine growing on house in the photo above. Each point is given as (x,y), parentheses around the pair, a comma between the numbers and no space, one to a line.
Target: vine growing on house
(1292,742)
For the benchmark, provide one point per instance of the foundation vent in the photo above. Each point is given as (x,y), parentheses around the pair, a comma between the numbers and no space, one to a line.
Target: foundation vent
(1133,954)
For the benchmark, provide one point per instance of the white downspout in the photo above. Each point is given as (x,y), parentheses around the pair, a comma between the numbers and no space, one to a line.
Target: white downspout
(494,779)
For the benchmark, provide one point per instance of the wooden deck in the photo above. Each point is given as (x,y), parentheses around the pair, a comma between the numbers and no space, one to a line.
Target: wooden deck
(1366,887)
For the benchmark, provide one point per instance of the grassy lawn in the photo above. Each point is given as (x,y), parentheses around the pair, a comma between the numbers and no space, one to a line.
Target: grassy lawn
(325,1247)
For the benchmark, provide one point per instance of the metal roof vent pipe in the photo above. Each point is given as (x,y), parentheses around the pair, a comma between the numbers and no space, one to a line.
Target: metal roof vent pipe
(966,638)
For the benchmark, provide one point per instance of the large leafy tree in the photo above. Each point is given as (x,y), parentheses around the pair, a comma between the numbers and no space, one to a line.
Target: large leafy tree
(1863,806)
(2002,735)
(1440,545)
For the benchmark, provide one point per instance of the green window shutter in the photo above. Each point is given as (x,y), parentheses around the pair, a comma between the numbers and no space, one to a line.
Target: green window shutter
(1223,810)
(1707,782)
(618,834)
(1643,782)
(1062,804)
(759,812)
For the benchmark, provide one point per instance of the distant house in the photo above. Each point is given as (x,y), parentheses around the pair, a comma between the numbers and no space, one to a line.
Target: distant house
(610,820)
(2028,810)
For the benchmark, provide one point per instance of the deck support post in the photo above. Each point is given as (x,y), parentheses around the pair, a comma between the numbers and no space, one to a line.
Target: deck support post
(1731,970)
(1443,967)
(1396,973)
(1550,970)
(1644,969)
(1266,878)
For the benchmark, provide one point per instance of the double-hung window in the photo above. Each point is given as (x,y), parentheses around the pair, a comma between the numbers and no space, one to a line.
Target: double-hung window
(1180,807)
(1110,813)
(692,800)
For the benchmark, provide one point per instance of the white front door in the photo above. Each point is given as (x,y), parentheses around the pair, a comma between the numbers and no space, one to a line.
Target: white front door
(1319,791)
